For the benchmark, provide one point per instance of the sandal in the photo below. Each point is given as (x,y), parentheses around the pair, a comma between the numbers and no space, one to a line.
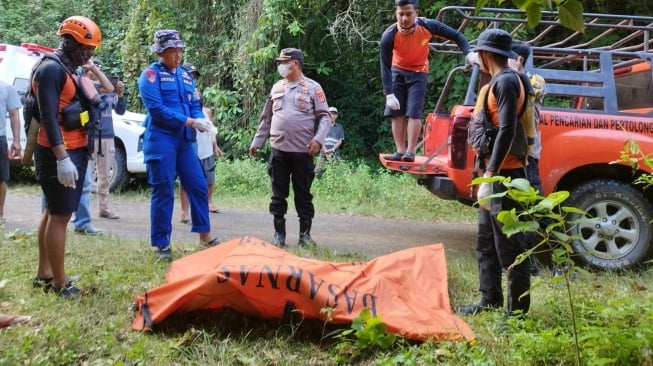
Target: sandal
(67,291)
(46,283)
(211,243)
(9,320)
(213,209)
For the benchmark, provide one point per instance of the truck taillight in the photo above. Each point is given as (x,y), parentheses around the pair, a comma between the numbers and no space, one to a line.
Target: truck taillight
(458,143)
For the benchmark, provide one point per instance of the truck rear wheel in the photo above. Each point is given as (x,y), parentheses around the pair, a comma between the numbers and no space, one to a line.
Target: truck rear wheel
(618,234)
(119,174)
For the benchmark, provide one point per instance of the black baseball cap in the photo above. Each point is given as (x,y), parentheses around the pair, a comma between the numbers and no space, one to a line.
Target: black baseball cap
(291,54)
(190,68)
(521,48)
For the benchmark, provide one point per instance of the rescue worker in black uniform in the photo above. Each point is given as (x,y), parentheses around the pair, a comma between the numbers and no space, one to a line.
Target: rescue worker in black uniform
(495,252)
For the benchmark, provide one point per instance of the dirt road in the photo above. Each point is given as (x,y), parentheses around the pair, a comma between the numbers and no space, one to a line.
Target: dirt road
(368,235)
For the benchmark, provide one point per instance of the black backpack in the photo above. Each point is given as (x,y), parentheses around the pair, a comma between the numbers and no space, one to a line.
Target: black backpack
(482,133)
(81,103)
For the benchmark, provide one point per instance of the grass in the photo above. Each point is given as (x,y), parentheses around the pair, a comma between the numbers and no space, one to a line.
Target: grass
(615,310)
(351,188)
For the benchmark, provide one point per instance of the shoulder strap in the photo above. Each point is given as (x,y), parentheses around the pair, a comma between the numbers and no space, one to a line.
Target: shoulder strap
(528,90)
(487,95)
(55,58)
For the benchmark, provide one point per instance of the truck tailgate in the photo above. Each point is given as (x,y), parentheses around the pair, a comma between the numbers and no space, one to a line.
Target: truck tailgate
(422,164)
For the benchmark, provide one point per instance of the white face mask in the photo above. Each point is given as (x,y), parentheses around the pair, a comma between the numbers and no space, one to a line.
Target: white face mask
(283,69)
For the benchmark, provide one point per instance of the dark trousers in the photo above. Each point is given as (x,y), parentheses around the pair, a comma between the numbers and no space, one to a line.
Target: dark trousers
(298,167)
(495,252)
(533,171)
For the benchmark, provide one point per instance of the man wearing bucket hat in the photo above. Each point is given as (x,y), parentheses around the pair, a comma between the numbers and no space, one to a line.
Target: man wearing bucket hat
(288,119)
(173,114)
(496,252)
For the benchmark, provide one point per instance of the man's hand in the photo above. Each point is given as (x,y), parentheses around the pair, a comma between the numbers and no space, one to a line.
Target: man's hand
(15,148)
(202,124)
(484,190)
(253,151)
(67,172)
(313,147)
(120,89)
(472,58)
(392,102)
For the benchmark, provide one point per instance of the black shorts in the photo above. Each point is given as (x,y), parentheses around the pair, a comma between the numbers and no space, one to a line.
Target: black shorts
(208,168)
(409,88)
(4,160)
(59,199)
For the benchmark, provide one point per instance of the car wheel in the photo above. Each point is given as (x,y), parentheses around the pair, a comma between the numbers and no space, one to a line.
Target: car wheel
(118,174)
(617,235)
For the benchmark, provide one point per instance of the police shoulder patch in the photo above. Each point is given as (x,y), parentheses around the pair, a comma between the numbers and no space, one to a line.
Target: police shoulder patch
(320,95)
(150,75)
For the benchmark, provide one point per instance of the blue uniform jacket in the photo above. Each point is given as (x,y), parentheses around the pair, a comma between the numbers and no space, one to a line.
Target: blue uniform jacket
(170,98)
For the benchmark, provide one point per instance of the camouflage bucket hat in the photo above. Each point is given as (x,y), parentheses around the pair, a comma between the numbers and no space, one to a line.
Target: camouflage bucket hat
(167,38)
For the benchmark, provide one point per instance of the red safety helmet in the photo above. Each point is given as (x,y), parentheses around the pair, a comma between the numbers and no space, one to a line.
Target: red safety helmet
(84,30)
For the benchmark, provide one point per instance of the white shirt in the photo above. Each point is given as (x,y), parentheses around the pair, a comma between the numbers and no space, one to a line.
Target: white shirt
(205,142)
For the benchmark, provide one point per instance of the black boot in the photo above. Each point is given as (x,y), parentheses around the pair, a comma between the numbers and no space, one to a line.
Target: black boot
(279,231)
(484,305)
(518,301)
(305,233)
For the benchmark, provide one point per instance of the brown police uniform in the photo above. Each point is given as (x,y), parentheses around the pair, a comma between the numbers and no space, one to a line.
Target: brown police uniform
(288,118)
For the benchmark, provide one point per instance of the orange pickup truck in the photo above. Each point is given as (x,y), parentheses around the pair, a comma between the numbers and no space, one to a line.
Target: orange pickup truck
(599,95)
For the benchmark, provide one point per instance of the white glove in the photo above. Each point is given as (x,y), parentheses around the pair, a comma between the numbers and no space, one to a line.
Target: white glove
(67,172)
(392,102)
(202,124)
(484,190)
(472,58)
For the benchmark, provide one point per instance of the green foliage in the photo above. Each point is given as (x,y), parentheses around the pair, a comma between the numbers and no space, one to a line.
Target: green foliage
(367,333)
(234,43)
(538,211)
(614,314)
(570,10)
(639,161)
(347,188)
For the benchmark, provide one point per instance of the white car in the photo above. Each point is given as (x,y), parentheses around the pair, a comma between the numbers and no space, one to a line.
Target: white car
(16,64)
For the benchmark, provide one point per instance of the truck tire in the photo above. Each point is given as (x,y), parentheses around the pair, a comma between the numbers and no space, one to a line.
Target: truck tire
(119,176)
(621,238)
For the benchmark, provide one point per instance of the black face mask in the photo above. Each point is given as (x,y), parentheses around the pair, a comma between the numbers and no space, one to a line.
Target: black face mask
(75,53)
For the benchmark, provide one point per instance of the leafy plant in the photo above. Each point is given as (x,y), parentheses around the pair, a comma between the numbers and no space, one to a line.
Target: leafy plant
(367,333)
(638,161)
(546,218)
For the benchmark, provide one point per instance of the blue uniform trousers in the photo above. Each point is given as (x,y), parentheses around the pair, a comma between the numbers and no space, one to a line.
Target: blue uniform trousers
(167,157)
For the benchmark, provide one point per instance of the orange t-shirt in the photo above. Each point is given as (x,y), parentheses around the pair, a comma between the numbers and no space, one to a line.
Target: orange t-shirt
(511,161)
(72,139)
